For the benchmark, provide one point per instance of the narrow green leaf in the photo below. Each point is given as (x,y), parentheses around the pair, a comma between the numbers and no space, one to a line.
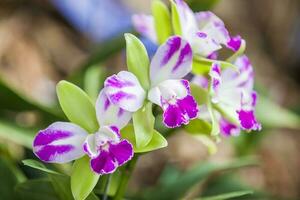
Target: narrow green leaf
(227,195)
(215,130)
(83,179)
(162,21)
(38,165)
(143,122)
(137,59)
(36,189)
(16,134)
(93,80)
(157,141)
(77,106)
(61,185)
(175,19)
(199,93)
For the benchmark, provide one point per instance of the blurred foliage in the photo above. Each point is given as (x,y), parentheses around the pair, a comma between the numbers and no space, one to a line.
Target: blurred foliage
(199,5)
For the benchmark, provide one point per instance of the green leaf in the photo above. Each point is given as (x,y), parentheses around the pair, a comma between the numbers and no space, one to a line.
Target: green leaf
(177,188)
(215,130)
(162,21)
(8,179)
(175,19)
(36,190)
(16,134)
(273,115)
(227,195)
(157,141)
(200,94)
(61,185)
(143,122)
(77,106)
(202,65)
(93,80)
(204,5)
(198,126)
(83,179)
(137,59)
(38,165)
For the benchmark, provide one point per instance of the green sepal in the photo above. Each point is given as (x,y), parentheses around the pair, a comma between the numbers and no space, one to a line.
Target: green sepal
(200,94)
(157,141)
(175,19)
(202,66)
(162,21)
(83,179)
(143,122)
(137,60)
(77,106)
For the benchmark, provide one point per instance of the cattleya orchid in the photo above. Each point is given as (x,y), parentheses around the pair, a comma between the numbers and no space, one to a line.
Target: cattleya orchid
(232,94)
(171,62)
(205,32)
(63,142)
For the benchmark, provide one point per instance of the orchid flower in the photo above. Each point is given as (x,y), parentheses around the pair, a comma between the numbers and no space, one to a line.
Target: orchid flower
(232,93)
(205,32)
(171,62)
(63,142)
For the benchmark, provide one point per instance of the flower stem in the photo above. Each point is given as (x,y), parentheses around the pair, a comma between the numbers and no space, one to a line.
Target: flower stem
(126,173)
(106,187)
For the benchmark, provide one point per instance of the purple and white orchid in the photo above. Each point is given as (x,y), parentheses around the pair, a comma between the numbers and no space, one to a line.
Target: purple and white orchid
(205,32)
(232,93)
(171,62)
(63,142)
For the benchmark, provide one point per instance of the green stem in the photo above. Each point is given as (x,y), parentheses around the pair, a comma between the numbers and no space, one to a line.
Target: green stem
(106,187)
(126,174)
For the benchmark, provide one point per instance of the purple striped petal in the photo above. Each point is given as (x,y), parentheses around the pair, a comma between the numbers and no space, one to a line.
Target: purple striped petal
(248,120)
(203,44)
(234,43)
(122,152)
(215,74)
(175,98)
(144,24)
(228,129)
(61,142)
(125,91)
(173,60)
(109,113)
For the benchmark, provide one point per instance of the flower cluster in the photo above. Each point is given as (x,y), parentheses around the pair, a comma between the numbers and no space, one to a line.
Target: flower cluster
(230,96)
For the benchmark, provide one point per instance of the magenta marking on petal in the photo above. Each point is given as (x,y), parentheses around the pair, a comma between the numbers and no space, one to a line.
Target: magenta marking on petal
(186,84)
(116,82)
(185,53)
(104,163)
(116,130)
(216,68)
(213,55)
(106,104)
(201,34)
(122,151)
(228,129)
(173,44)
(86,149)
(248,120)
(254,98)
(49,135)
(235,43)
(180,113)
(115,98)
(120,112)
(49,152)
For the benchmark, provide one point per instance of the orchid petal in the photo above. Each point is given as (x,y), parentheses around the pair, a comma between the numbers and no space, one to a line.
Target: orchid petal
(104,163)
(228,129)
(144,24)
(173,60)
(175,98)
(235,43)
(109,113)
(203,44)
(248,120)
(61,142)
(125,91)
(122,151)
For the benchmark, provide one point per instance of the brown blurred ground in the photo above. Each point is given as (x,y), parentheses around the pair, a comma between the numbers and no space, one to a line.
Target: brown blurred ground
(38,48)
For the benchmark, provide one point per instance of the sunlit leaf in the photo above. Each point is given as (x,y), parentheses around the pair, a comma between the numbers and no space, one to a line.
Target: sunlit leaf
(162,21)
(227,195)
(93,80)
(143,122)
(40,166)
(137,59)
(77,106)
(215,129)
(83,179)
(198,126)
(202,66)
